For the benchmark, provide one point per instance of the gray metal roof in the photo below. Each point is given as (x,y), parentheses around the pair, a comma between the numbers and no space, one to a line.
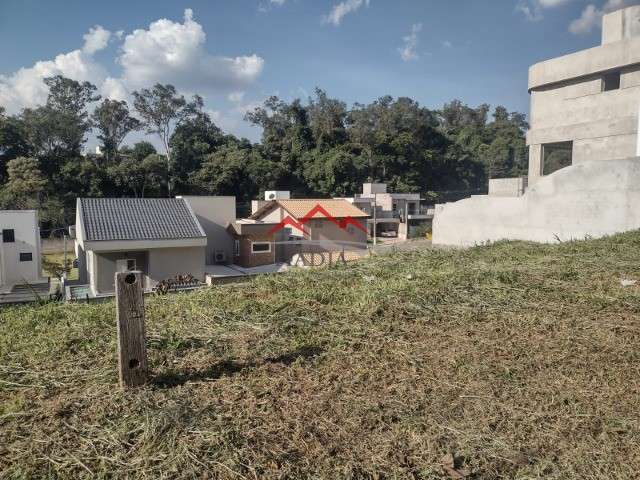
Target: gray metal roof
(138,219)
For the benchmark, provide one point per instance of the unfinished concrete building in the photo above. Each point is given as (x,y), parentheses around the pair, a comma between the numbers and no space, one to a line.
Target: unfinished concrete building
(584,170)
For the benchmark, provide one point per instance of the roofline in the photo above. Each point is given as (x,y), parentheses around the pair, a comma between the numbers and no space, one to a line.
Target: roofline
(272,203)
(193,215)
(80,216)
(584,63)
(149,244)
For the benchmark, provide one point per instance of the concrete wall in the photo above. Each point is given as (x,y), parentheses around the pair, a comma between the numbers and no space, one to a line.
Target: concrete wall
(507,187)
(105,268)
(568,104)
(168,262)
(602,125)
(369,189)
(157,265)
(215,214)
(620,25)
(592,199)
(27,240)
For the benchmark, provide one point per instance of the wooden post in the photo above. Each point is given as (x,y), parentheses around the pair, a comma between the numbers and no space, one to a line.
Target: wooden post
(132,351)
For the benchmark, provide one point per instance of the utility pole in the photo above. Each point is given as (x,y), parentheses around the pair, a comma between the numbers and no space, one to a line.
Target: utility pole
(375,218)
(64,236)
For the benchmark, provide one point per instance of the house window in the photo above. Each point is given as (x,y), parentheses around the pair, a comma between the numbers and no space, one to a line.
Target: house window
(556,156)
(8,235)
(236,248)
(611,81)
(26,257)
(131,264)
(260,247)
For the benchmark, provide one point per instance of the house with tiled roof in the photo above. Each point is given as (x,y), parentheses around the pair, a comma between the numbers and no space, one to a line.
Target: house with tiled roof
(278,228)
(161,237)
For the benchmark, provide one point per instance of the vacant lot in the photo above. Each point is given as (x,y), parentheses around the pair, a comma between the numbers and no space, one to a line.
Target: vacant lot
(521,361)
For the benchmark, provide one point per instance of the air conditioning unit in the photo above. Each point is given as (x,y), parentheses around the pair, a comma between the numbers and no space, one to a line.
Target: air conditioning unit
(219,256)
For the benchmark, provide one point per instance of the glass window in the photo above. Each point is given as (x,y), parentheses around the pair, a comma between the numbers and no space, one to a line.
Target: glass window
(26,257)
(260,247)
(8,235)
(556,156)
(611,81)
(131,264)
(236,248)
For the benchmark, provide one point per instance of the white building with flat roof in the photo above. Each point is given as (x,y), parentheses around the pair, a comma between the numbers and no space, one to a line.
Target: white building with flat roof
(20,249)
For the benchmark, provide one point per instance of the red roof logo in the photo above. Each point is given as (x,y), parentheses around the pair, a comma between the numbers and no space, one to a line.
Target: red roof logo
(342,223)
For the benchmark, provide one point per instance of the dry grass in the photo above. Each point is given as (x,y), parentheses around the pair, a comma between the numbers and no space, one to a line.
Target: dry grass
(520,360)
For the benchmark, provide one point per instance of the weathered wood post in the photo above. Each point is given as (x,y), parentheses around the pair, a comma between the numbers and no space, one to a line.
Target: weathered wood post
(132,351)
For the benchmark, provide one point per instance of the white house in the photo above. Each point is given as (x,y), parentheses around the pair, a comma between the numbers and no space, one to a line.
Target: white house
(20,250)
(161,237)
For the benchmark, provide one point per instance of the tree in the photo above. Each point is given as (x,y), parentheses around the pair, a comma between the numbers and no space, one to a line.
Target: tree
(140,178)
(192,141)
(13,142)
(327,120)
(114,123)
(336,172)
(162,110)
(286,136)
(25,187)
(57,130)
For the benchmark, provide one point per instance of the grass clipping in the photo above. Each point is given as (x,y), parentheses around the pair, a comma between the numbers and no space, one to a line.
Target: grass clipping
(508,361)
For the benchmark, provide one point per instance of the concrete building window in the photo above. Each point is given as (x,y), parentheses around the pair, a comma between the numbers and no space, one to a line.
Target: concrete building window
(611,81)
(556,156)
(26,257)
(8,235)
(236,248)
(260,247)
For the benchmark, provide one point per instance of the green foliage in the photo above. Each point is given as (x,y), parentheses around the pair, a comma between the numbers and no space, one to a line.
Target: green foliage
(25,185)
(114,123)
(320,147)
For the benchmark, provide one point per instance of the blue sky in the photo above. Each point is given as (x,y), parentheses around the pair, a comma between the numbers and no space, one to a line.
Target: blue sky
(237,52)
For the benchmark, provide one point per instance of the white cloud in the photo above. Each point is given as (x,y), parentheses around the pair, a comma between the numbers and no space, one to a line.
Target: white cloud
(532,9)
(25,87)
(408,50)
(97,38)
(171,52)
(278,2)
(165,52)
(114,89)
(447,44)
(591,16)
(235,97)
(339,11)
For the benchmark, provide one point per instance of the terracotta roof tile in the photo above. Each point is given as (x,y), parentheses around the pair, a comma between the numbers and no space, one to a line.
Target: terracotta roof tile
(335,208)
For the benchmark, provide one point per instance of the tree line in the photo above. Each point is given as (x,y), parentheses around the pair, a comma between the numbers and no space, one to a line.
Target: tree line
(317,147)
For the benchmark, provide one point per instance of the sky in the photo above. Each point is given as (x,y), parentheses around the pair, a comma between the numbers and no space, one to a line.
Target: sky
(236,53)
